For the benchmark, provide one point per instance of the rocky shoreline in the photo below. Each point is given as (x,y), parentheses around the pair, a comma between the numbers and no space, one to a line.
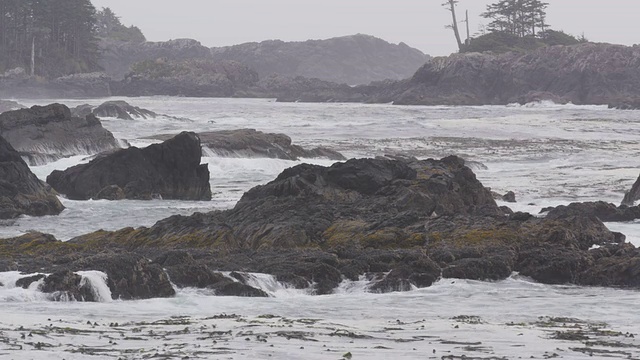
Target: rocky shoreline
(399,224)
(599,74)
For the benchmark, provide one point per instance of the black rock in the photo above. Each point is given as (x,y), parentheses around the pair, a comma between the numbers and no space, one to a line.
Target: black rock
(21,192)
(47,133)
(170,170)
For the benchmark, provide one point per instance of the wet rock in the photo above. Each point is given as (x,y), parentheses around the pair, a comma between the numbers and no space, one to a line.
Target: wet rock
(252,143)
(510,196)
(632,195)
(170,170)
(604,211)
(25,282)
(118,109)
(130,276)
(47,133)
(484,268)
(21,192)
(66,285)
(110,192)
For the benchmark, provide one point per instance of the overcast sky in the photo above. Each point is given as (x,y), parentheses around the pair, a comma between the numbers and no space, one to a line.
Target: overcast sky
(419,23)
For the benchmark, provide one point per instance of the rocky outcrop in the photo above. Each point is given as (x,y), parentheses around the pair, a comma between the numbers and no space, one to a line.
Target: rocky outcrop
(195,78)
(252,143)
(118,109)
(46,133)
(291,89)
(399,223)
(604,211)
(170,170)
(582,74)
(632,195)
(21,192)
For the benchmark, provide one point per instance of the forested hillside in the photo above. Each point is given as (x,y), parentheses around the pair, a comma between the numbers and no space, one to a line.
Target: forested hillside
(48,37)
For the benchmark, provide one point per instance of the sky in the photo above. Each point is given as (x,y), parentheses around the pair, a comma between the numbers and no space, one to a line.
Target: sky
(418,23)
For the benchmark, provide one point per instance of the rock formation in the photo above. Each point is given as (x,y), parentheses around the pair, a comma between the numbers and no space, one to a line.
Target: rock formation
(114,109)
(252,143)
(353,60)
(582,74)
(632,195)
(170,170)
(195,78)
(47,133)
(21,192)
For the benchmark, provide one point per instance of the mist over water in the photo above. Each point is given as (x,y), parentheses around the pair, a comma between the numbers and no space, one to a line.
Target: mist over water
(547,154)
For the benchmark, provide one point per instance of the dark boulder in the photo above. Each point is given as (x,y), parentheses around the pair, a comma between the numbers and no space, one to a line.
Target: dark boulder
(21,192)
(67,286)
(46,133)
(252,143)
(604,211)
(25,282)
(130,276)
(170,170)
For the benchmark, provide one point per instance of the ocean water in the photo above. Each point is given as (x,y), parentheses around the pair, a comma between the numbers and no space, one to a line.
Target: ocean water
(547,154)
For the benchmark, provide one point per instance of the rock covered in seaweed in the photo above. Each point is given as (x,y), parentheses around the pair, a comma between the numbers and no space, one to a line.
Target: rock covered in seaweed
(170,170)
(47,133)
(21,192)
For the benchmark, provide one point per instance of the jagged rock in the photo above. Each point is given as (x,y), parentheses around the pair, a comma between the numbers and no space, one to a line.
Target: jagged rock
(633,195)
(170,170)
(21,192)
(46,133)
(252,143)
(114,109)
(604,211)
(66,285)
(25,282)
(399,223)
(110,192)
(582,74)
(129,276)
(510,196)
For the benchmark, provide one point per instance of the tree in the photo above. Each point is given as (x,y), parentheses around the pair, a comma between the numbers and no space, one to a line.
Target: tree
(48,37)
(451,6)
(520,18)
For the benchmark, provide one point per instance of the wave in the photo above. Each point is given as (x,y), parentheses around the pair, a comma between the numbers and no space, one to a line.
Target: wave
(19,287)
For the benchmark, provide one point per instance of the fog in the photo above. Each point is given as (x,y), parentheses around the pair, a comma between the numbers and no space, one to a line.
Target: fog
(419,23)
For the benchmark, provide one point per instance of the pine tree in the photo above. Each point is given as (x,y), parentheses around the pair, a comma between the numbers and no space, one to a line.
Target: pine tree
(520,18)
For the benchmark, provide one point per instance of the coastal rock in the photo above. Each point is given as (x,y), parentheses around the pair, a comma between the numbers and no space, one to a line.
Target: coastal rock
(170,170)
(47,133)
(130,276)
(114,109)
(67,286)
(353,60)
(399,224)
(582,74)
(632,195)
(604,211)
(194,78)
(252,143)
(21,192)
